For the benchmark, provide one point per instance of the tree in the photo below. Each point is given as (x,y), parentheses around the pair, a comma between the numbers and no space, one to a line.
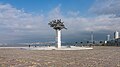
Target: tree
(76,43)
(81,43)
(100,41)
(87,42)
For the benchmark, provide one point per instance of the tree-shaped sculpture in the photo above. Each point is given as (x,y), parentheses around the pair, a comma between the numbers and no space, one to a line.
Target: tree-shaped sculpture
(58,26)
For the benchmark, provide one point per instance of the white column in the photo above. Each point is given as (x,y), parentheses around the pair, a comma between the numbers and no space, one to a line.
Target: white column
(58,38)
(108,37)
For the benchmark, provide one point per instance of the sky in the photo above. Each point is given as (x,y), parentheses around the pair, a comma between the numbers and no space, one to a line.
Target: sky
(23,21)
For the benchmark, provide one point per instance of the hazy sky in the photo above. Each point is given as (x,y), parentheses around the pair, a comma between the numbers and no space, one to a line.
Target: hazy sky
(27,20)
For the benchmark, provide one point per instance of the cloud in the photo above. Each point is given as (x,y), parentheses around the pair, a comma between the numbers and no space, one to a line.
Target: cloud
(18,25)
(73,13)
(108,14)
(106,7)
(55,13)
(80,27)
(15,19)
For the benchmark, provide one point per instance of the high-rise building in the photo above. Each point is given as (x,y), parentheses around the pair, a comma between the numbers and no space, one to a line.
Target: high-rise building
(108,37)
(92,37)
(116,35)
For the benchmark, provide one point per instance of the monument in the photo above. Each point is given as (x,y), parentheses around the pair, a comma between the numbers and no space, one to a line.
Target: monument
(58,26)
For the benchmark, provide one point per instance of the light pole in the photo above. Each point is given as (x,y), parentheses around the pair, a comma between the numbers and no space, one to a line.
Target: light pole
(92,37)
(58,26)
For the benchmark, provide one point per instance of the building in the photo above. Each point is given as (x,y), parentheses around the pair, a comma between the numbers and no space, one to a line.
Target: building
(115,41)
(108,37)
(116,35)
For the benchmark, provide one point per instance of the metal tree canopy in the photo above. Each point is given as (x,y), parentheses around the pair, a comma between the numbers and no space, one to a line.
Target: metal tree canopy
(57,24)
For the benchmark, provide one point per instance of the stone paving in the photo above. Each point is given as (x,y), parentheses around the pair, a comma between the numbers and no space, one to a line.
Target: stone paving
(97,57)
